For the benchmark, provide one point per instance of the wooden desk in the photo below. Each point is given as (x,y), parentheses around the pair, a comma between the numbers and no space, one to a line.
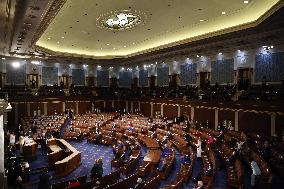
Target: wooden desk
(29,149)
(63,164)
(150,142)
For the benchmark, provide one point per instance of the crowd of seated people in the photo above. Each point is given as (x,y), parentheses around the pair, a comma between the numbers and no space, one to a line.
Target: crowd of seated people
(232,146)
(197,142)
(55,90)
(215,92)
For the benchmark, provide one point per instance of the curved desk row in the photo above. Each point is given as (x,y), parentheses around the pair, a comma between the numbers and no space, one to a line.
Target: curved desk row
(64,158)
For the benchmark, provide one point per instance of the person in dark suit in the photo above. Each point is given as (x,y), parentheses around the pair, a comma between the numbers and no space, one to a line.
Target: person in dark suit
(44,180)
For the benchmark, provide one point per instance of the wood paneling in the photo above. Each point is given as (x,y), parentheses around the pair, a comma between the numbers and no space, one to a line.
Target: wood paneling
(146,109)
(84,107)
(226,115)
(185,111)
(279,125)
(170,111)
(36,107)
(52,106)
(202,115)
(156,108)
(254,123)
(70,105)
(22,110)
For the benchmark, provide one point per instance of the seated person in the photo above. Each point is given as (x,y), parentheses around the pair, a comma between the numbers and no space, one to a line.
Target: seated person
(255,171)
(138,183)
(199,185)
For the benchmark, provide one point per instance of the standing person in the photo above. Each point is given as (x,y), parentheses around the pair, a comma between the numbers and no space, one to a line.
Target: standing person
(97,170)
(198,149)
(44,180)
(255,171)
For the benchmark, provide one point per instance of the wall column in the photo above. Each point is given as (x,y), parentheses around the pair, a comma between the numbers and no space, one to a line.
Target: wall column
(139,106)
(216,118)
(272,124)
(178,110)
(77,108)
(192,113)
(104,104)
(28,109)
(112,104)
(151,109)
(236,121)
(2,170)
(63,106)
(126,105)
(45,108)
(131,106)
(16,114)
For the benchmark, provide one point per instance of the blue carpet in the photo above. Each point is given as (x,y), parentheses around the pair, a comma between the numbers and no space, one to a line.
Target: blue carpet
(89,153)
(65,125)
(197,168)
(220,181)
(174,171)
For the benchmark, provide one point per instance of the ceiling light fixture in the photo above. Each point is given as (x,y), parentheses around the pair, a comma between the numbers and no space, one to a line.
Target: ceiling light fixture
(220,53)
(99,66)
(3,58)
(246,2)
(223,13)
(16,64)
(107,44)
(197,56)
(48,38)
(35,62)
(62,37)
(58,42)
(201,20)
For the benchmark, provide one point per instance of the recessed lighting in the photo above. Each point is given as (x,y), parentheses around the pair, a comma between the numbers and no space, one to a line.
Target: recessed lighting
(114,48)
(223,12)
(58,42)
(108,44)
(272,46)
(133,43)
(201,20)
(62,37)
(101,48)
(197,56)
(220,53)
(124,46)
(246,2)
(48,38)
(99,66)
(3,58)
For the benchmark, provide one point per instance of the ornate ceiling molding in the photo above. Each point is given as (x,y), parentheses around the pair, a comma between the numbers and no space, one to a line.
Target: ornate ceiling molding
(54,8)
(57,5)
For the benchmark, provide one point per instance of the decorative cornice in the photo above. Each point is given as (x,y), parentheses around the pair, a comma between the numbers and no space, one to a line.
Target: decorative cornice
(48,17)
